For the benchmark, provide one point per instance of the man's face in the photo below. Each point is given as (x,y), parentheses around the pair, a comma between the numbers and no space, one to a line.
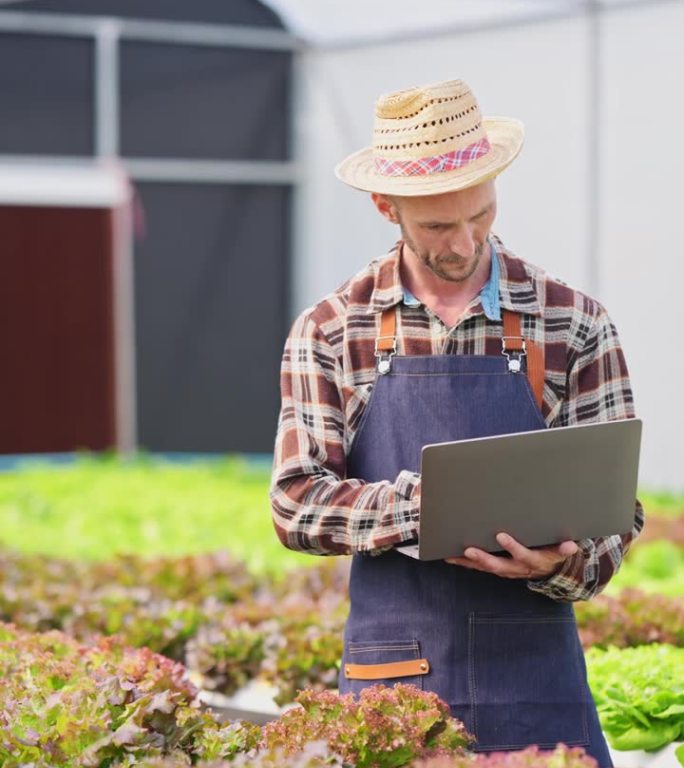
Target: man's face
(447,233)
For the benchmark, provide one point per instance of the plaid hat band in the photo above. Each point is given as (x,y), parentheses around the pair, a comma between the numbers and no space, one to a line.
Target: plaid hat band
(424,166)
(429,140)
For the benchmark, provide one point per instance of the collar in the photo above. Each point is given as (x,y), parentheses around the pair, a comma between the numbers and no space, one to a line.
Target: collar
(489,295)
(516,291)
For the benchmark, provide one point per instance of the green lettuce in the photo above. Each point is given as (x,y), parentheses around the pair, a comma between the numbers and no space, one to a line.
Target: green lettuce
(639,694)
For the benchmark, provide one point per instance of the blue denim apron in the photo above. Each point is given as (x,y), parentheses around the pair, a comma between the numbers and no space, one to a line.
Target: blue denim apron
(506,659)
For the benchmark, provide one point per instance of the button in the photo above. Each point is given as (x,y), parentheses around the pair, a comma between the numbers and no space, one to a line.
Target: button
(423,667)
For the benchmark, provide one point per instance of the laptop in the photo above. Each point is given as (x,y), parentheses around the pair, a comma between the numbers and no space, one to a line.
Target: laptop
(541,487)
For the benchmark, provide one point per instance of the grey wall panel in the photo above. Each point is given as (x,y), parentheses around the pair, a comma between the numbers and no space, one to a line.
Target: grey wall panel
(211,287)
(180,101)
(46,95)
(250,12)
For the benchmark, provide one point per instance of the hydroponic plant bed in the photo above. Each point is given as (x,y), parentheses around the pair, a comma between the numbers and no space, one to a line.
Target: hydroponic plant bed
(234,622)
(97,506)
(106,705)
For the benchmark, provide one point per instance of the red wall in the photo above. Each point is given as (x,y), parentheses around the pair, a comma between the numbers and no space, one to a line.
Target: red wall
(56,330)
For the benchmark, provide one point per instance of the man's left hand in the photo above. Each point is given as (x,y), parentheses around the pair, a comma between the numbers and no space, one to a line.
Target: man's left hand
(523,563)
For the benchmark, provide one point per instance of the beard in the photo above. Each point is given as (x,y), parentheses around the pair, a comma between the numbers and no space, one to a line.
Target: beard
(448,266)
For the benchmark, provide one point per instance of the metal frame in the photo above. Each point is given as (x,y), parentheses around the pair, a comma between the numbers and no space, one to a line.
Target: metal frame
(593,265)
(557,10)
(549,11)
(183,33)
(124,329)
(213,171)
(107,34)
(277,173)
(107,113)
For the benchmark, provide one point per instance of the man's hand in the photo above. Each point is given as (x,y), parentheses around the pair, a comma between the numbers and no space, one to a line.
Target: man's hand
(524,563)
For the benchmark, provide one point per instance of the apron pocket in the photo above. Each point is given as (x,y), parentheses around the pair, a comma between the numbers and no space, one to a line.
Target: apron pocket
(382,662)
(527,682)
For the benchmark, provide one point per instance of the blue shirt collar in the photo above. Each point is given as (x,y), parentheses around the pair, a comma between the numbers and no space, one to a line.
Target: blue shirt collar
(489,295)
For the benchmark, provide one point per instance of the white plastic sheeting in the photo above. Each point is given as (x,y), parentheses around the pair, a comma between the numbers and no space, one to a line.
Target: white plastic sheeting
(594,197)
(70,185)
(328,23)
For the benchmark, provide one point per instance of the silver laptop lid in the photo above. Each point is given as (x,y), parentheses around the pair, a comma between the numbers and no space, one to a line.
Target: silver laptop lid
(541,487)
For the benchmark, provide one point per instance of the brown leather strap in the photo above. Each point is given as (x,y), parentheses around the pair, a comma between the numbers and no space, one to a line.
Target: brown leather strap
(535,354)
(535,371)
(387,339)
(512,331)
(386,671)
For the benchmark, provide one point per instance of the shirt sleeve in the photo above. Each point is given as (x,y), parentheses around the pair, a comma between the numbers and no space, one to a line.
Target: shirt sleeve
(598,390)
(315,507)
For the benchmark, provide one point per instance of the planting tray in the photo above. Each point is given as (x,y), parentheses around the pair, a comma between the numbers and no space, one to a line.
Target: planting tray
(254,703)
(663,758)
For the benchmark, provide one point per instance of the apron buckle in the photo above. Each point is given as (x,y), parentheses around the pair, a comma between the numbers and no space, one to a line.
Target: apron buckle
(384,365)
(515,355)
(384,353)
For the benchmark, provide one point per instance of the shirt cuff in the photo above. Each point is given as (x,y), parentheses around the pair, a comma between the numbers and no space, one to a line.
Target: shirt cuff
(407,486)
(572,579)
(405,511)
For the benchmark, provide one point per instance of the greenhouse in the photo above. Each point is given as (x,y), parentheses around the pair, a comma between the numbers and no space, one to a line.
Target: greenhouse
(170,209)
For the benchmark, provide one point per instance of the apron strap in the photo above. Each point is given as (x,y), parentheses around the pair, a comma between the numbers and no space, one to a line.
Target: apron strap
(514,342)
(386,342)
(514,346)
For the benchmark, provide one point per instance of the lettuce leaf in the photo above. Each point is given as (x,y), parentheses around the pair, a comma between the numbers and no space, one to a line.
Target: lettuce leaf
(639,694)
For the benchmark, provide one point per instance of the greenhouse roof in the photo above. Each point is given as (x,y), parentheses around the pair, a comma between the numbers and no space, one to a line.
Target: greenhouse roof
(333,24)
(360,22)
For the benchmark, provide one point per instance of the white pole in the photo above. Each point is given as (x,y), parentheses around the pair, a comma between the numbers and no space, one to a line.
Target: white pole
(124,327)
(593,187)
(107,88)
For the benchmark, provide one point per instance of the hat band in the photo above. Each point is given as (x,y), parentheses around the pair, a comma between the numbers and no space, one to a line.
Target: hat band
(425,166)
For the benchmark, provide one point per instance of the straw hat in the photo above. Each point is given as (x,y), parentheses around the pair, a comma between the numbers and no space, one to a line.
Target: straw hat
(432,139)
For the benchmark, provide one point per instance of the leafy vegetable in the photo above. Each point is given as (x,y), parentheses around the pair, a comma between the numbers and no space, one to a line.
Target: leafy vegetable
(104,705)
(312,755)
(210,613)
(639,694)
(654,567)
(679,754)
(64,704)
(631,618)
(666,527)
(383,727)
(532,757)
(317,755)
(206,611)
(663,503)
(98,507)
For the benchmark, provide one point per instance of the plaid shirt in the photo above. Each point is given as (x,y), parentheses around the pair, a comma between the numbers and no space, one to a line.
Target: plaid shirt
(328,371)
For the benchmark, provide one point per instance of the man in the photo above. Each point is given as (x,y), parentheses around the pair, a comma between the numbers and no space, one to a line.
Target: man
(416,349)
